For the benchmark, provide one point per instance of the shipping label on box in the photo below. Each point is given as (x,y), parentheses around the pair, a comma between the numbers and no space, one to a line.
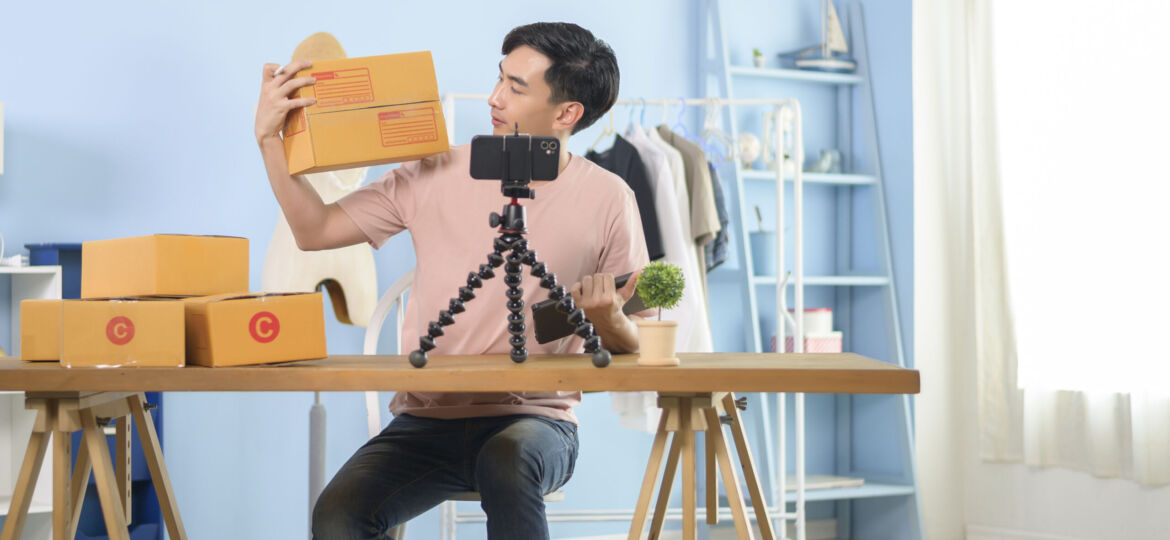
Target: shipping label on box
(164,264)
(122,332)
(369,110)
(40,330)
(254,328)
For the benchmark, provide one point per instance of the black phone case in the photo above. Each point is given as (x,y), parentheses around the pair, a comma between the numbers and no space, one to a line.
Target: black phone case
(487,156)
(550,324)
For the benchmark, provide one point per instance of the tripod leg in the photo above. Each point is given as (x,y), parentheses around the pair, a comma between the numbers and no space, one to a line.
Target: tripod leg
(514,275)
(565,304)
(418,357)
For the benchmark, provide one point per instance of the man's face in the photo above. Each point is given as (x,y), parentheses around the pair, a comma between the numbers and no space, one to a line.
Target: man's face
(522,95)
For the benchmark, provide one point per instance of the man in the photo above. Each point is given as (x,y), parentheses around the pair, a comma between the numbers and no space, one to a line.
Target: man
(555,80)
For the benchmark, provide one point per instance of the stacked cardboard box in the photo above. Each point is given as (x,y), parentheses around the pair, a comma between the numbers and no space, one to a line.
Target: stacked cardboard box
(145,303)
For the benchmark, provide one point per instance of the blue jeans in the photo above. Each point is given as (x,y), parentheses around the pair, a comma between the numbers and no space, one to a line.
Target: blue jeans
(417,463)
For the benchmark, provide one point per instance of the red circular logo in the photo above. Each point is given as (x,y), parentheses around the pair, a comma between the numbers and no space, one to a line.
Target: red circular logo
(120,330)
(264,327)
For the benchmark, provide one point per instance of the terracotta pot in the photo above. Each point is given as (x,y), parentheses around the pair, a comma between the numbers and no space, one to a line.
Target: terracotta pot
(656,343)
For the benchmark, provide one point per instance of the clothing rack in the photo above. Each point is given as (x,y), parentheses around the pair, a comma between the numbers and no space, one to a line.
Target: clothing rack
(788,126)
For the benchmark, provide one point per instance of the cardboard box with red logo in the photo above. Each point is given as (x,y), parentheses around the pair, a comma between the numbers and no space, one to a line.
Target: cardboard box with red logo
(369,110)
(254,328)
(122,332)
(40,330)
(164,264)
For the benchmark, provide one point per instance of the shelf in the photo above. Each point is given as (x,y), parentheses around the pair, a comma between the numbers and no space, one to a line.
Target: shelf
(34,508)
(867,491)
(45,270)
(814,178)
(795,75)
(829,281)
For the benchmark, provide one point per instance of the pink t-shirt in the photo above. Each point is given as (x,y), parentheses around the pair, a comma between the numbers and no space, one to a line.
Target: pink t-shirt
(583,223)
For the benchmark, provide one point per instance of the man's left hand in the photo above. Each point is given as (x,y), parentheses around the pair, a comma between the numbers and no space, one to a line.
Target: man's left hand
(599,296)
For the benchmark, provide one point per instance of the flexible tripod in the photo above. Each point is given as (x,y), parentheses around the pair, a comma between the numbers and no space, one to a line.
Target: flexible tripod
(510,249)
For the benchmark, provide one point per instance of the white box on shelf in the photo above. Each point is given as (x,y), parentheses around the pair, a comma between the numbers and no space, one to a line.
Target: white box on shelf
(816,320)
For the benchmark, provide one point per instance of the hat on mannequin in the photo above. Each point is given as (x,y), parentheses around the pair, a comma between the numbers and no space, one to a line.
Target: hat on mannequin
(319,46)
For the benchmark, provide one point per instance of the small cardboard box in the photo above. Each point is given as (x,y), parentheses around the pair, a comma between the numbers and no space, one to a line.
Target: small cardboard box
(164,264)
(254,328)
(369,110)
(122,332)
(40,330)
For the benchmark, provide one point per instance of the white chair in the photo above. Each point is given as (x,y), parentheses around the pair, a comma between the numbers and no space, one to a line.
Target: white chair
(449,515)
(395,296)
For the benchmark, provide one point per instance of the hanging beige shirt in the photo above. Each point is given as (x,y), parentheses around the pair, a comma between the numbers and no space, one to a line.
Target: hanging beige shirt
(704,218)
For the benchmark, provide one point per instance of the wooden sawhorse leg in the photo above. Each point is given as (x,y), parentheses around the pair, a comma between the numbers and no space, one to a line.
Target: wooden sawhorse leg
(59,414)
(684,414)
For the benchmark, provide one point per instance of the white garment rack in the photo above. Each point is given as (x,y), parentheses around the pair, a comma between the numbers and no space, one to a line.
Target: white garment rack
(788,125)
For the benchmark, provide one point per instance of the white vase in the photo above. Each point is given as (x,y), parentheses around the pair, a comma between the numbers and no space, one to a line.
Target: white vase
(656,343)
(758,61)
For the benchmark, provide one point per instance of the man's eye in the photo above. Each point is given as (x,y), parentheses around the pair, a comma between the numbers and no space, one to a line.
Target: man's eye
(515,91)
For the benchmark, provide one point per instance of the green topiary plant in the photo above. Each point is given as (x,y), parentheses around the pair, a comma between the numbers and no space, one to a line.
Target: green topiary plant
(661,286)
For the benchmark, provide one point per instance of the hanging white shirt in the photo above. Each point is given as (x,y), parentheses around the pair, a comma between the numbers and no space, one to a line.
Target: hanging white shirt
(639,410)
(694,327)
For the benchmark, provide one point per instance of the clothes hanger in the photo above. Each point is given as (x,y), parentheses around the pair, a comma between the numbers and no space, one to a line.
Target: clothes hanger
(711,130)
(642,122)
(679,126)
(605,130)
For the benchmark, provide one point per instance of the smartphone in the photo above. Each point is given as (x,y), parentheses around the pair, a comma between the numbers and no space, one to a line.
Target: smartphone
(550,324)
(529,157)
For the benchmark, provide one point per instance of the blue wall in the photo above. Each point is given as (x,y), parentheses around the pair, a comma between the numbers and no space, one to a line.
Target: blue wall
(135,118)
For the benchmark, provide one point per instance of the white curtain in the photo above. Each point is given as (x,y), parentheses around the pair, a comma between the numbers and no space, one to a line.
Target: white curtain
(1002,193)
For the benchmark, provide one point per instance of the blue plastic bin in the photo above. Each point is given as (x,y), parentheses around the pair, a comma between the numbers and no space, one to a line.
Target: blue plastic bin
(68,256)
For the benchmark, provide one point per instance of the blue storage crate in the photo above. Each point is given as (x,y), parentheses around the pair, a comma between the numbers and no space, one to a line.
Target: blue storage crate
(68,256)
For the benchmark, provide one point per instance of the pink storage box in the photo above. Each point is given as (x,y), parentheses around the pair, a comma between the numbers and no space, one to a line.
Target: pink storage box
(816,343)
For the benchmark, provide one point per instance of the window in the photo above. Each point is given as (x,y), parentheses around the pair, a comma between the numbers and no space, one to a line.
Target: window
(1084,131)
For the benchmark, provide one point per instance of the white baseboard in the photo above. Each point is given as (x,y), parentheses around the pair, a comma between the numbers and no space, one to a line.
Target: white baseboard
(982,532)
(821,529)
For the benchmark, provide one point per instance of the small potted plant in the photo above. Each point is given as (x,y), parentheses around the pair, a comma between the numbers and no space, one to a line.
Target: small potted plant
(660,286)
(757,58)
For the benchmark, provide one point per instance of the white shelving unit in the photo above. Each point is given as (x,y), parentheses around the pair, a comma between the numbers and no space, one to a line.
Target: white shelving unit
(28,282)
(849,92)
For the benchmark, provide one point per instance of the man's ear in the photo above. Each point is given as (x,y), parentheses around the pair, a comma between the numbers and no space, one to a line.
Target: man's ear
(568,114)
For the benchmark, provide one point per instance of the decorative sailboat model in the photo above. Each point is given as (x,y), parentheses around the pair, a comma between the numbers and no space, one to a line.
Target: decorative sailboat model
(832,54)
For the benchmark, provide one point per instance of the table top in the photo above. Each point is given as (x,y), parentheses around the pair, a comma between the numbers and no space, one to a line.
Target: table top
(835,373)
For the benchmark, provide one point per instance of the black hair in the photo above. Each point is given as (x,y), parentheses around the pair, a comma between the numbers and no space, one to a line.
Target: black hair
(584,68)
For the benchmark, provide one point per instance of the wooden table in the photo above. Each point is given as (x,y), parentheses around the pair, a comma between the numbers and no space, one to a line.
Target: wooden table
(694,395)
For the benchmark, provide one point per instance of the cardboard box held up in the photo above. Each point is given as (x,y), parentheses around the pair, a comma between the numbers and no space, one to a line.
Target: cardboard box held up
(254,328)
(369,110)
(122,332)
(40,330)
(164,264)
